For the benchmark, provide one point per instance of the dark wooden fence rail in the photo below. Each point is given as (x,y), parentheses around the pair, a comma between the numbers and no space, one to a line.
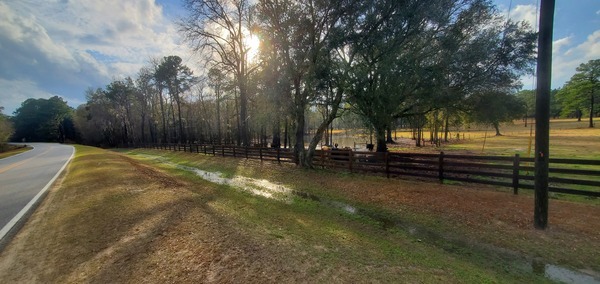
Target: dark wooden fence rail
(570,176)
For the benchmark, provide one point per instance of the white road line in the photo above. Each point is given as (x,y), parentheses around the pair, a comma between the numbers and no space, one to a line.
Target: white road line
(33,201)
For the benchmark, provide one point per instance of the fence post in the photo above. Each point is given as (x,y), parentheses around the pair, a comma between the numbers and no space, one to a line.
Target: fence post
(350,158)
(278,157)
(441,168)
(223,150)
(246,151)
(387,164)
(260,153)
(234,151)
(515,180)
(322,159)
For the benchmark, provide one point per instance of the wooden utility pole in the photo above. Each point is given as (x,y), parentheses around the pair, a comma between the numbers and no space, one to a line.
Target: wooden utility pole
(542,114)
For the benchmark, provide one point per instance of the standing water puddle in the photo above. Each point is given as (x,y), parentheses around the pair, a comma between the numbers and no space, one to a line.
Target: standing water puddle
(258,187)
(271,190)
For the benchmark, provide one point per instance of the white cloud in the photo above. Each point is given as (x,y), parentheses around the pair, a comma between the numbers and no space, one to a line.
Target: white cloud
(525,13)
(14,92)
(51,45)
(565,63)
(558,44)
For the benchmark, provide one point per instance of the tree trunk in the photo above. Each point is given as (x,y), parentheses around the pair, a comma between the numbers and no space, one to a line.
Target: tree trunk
(380,137)
(323,127)
(243,113)
(299,150)
(592,110)
(446,128)
(218,110)
(389,134)
(143,132)
(285,135)
(162,113)
(497,127)
(174,134)
(181,133)
(299,107)
(276,142)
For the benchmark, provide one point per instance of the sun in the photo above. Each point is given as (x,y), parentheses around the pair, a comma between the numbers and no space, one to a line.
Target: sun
(252,42)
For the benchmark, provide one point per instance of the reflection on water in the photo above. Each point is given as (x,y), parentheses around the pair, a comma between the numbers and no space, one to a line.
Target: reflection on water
(260,187)
(562,274)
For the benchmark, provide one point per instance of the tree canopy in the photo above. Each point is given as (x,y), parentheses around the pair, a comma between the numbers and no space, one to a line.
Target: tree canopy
(44,120)
(6,127)
(582,91)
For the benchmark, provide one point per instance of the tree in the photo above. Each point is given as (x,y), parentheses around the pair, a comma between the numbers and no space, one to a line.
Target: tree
(146,95)
(421,56)
(306,36)
(582,90)
(222,29)
(43,120)
(177,79)
(527,98)
(96,120)
(216,80)
(121,93)
(6,127)
(492,108)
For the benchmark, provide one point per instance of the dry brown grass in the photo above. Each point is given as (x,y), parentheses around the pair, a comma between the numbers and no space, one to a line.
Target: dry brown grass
(113,224)
(568,139)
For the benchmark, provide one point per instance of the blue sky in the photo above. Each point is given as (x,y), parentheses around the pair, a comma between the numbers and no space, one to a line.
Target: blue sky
(62,47)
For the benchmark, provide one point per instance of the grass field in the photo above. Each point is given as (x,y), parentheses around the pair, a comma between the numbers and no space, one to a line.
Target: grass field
(568,139)
(139,216)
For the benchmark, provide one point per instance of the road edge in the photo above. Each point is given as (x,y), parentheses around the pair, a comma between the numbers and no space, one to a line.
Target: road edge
(13,226)
(32,148)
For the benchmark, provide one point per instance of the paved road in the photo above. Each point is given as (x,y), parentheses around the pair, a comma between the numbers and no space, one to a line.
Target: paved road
(25,177)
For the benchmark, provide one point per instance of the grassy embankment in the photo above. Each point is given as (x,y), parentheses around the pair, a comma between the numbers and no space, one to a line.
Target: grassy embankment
(118,218)
(8,150)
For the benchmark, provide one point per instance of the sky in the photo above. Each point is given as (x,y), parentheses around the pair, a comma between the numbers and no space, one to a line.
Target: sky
(63,47)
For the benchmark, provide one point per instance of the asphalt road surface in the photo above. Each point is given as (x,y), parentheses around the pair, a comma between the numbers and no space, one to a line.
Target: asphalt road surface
(25,177)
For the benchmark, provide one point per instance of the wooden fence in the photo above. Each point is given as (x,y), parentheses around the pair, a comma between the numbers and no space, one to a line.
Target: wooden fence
(570,176)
